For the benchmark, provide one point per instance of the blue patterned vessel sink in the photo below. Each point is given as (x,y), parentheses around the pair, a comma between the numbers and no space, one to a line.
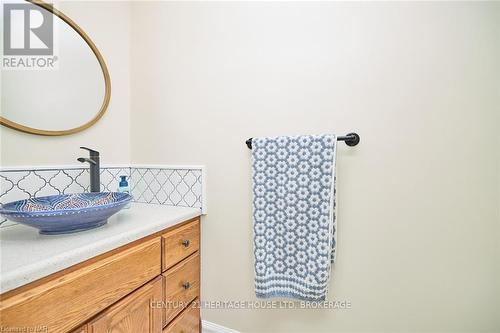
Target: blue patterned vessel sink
(60,214)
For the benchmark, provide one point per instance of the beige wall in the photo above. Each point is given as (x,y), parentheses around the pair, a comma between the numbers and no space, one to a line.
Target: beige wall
(111,135)
(418,198)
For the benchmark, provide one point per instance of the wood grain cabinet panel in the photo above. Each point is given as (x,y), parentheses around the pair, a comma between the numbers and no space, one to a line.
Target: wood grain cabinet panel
(82,329)
(182,285)
(180,243)
(133,314)
(65,302)
(187,322)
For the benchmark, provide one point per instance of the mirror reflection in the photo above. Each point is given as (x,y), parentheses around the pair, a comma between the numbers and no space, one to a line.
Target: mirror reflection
(65,97)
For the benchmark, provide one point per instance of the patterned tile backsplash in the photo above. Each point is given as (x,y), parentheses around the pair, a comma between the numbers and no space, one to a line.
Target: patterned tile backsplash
(175,187)
(164,185)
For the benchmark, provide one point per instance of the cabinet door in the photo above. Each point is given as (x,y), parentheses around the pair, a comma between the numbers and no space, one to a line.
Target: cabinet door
(134,313)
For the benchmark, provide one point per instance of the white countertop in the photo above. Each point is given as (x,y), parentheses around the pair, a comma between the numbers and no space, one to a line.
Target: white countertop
(26,256)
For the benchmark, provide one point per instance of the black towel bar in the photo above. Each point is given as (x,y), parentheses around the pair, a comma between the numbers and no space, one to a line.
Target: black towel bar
(351,139)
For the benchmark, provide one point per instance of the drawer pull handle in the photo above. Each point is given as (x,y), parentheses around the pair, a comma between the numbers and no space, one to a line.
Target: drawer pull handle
(186,285)
(185,242)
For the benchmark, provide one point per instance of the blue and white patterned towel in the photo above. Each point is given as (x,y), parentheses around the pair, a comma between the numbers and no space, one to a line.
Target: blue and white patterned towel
(294,215)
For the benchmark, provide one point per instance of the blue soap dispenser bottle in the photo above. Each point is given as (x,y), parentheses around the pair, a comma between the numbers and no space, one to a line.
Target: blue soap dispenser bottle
(123,187)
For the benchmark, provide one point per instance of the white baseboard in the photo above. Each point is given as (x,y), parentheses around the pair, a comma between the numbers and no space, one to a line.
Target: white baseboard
(209,327)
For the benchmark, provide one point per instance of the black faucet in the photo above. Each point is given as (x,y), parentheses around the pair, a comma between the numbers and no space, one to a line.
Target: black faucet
(95,173)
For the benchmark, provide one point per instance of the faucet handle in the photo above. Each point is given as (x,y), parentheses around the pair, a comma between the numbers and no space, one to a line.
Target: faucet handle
(92,151)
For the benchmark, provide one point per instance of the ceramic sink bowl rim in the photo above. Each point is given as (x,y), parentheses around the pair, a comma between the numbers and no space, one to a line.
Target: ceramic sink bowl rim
(66,213)
(18,207)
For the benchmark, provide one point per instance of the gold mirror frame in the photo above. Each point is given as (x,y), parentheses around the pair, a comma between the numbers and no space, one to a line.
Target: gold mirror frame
(105,73)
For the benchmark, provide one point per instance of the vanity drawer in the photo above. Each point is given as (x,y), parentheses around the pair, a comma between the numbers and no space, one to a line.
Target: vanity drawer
(180,243)
(65,302)
(187,322)
(182,285)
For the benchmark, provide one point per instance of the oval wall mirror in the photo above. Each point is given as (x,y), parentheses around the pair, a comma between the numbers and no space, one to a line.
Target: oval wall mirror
(66,98)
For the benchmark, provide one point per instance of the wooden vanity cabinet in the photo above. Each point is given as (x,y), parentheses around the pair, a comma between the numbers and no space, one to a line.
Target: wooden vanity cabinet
(124,290)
